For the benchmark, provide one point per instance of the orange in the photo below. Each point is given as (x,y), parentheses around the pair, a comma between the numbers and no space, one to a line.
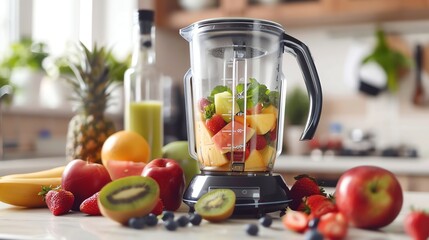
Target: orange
(125,146)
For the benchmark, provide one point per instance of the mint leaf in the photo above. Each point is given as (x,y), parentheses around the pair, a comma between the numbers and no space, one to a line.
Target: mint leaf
(209,111)
(273,98)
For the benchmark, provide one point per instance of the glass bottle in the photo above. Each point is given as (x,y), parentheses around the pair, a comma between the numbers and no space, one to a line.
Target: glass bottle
(143,86)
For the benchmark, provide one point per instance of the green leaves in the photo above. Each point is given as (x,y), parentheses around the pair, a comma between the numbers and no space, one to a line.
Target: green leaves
(389,59)
(246,95)
(255,93)
(209,111)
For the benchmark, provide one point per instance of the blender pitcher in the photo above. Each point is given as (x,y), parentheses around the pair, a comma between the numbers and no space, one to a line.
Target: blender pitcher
(235,102)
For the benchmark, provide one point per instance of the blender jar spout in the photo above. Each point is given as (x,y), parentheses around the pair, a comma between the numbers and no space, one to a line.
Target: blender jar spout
(186,32)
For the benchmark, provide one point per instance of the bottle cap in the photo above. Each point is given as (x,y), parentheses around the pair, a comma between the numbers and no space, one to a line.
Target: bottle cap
(146,15)
(145,20)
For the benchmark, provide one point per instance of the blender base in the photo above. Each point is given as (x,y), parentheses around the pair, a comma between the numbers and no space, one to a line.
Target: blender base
(256,195)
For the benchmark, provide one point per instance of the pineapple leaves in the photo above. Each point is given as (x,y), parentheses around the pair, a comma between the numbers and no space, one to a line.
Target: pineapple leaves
(92,79)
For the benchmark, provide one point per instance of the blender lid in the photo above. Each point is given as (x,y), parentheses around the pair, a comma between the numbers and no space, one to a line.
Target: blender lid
(231,23)
(233,20)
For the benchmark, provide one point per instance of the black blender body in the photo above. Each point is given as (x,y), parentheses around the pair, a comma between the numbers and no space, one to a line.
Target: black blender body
(236,67)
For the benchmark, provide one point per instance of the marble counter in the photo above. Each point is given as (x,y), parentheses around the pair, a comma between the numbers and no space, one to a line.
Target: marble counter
(18,223)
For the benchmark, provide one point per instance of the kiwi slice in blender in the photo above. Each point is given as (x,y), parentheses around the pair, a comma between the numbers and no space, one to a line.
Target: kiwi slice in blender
(216,205)
(128,197)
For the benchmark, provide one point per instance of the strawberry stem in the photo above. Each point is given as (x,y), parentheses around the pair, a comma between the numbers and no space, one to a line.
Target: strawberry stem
(46,189)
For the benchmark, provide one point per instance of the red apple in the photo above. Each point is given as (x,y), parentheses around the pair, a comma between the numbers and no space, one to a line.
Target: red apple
(119,169)
(370,197)
(171,180)
(83,179)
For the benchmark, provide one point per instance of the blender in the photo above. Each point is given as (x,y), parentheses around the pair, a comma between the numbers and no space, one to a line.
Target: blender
(235,96)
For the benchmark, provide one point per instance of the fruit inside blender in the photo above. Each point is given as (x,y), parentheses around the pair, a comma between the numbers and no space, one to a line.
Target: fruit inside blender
(236,122)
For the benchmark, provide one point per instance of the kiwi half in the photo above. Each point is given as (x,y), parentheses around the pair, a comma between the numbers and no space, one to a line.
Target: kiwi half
(216,205)
(128,197)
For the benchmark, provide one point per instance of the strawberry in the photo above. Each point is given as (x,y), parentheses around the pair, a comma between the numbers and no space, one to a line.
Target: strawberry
(416,224)
(318,205)
(261,142)
(159,208)
(90,205)
(295,220)
(257,109)
(303,187)
(257,142)
(273,134)
(239,156)
(215,123)
(59,201)
(333,226)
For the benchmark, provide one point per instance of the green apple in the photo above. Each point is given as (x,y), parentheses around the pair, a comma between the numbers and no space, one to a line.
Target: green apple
(178,151)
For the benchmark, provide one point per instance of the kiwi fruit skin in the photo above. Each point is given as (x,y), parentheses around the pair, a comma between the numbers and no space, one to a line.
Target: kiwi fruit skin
(216,205)
(142,201)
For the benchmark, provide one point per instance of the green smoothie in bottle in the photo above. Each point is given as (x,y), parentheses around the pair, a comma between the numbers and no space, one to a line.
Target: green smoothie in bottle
(145,118)
(143,87)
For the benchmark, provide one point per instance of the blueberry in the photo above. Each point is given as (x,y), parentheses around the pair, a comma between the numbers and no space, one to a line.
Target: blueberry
(166,215)
(151,220)
(252,229)
(182,221)
(313,223)
(170,224)
(313,234)
(136,222)
(195,219)
(266,221)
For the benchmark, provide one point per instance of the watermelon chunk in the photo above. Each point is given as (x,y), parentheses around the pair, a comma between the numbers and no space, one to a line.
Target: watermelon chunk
(119,169)
(232,137)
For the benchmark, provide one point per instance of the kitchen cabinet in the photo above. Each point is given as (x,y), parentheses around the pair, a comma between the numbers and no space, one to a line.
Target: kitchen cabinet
(297,13)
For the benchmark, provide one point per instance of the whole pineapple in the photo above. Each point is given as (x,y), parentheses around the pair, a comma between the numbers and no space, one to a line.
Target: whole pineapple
(89,128)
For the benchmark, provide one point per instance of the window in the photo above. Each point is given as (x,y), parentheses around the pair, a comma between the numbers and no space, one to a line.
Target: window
(5,24)
(60,23)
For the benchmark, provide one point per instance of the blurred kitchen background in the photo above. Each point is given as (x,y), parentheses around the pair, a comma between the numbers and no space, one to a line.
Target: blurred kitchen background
(362,115)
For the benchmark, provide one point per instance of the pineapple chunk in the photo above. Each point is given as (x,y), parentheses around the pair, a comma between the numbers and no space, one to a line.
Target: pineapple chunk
(207,152)
(255,162)
(270,109)
(211,156)
(262,123)
(268,153)
(225,105)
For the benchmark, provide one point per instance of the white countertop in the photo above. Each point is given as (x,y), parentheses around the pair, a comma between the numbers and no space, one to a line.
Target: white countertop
(19,223)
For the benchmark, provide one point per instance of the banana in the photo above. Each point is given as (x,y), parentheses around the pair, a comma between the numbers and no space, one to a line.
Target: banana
(49,173)
(23,192)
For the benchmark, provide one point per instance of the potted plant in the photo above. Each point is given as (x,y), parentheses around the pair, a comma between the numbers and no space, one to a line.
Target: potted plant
(22,68)
(297,106)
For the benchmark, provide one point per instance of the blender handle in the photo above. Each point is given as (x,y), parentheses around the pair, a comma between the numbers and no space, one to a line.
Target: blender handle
(312,82)
(187,80)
